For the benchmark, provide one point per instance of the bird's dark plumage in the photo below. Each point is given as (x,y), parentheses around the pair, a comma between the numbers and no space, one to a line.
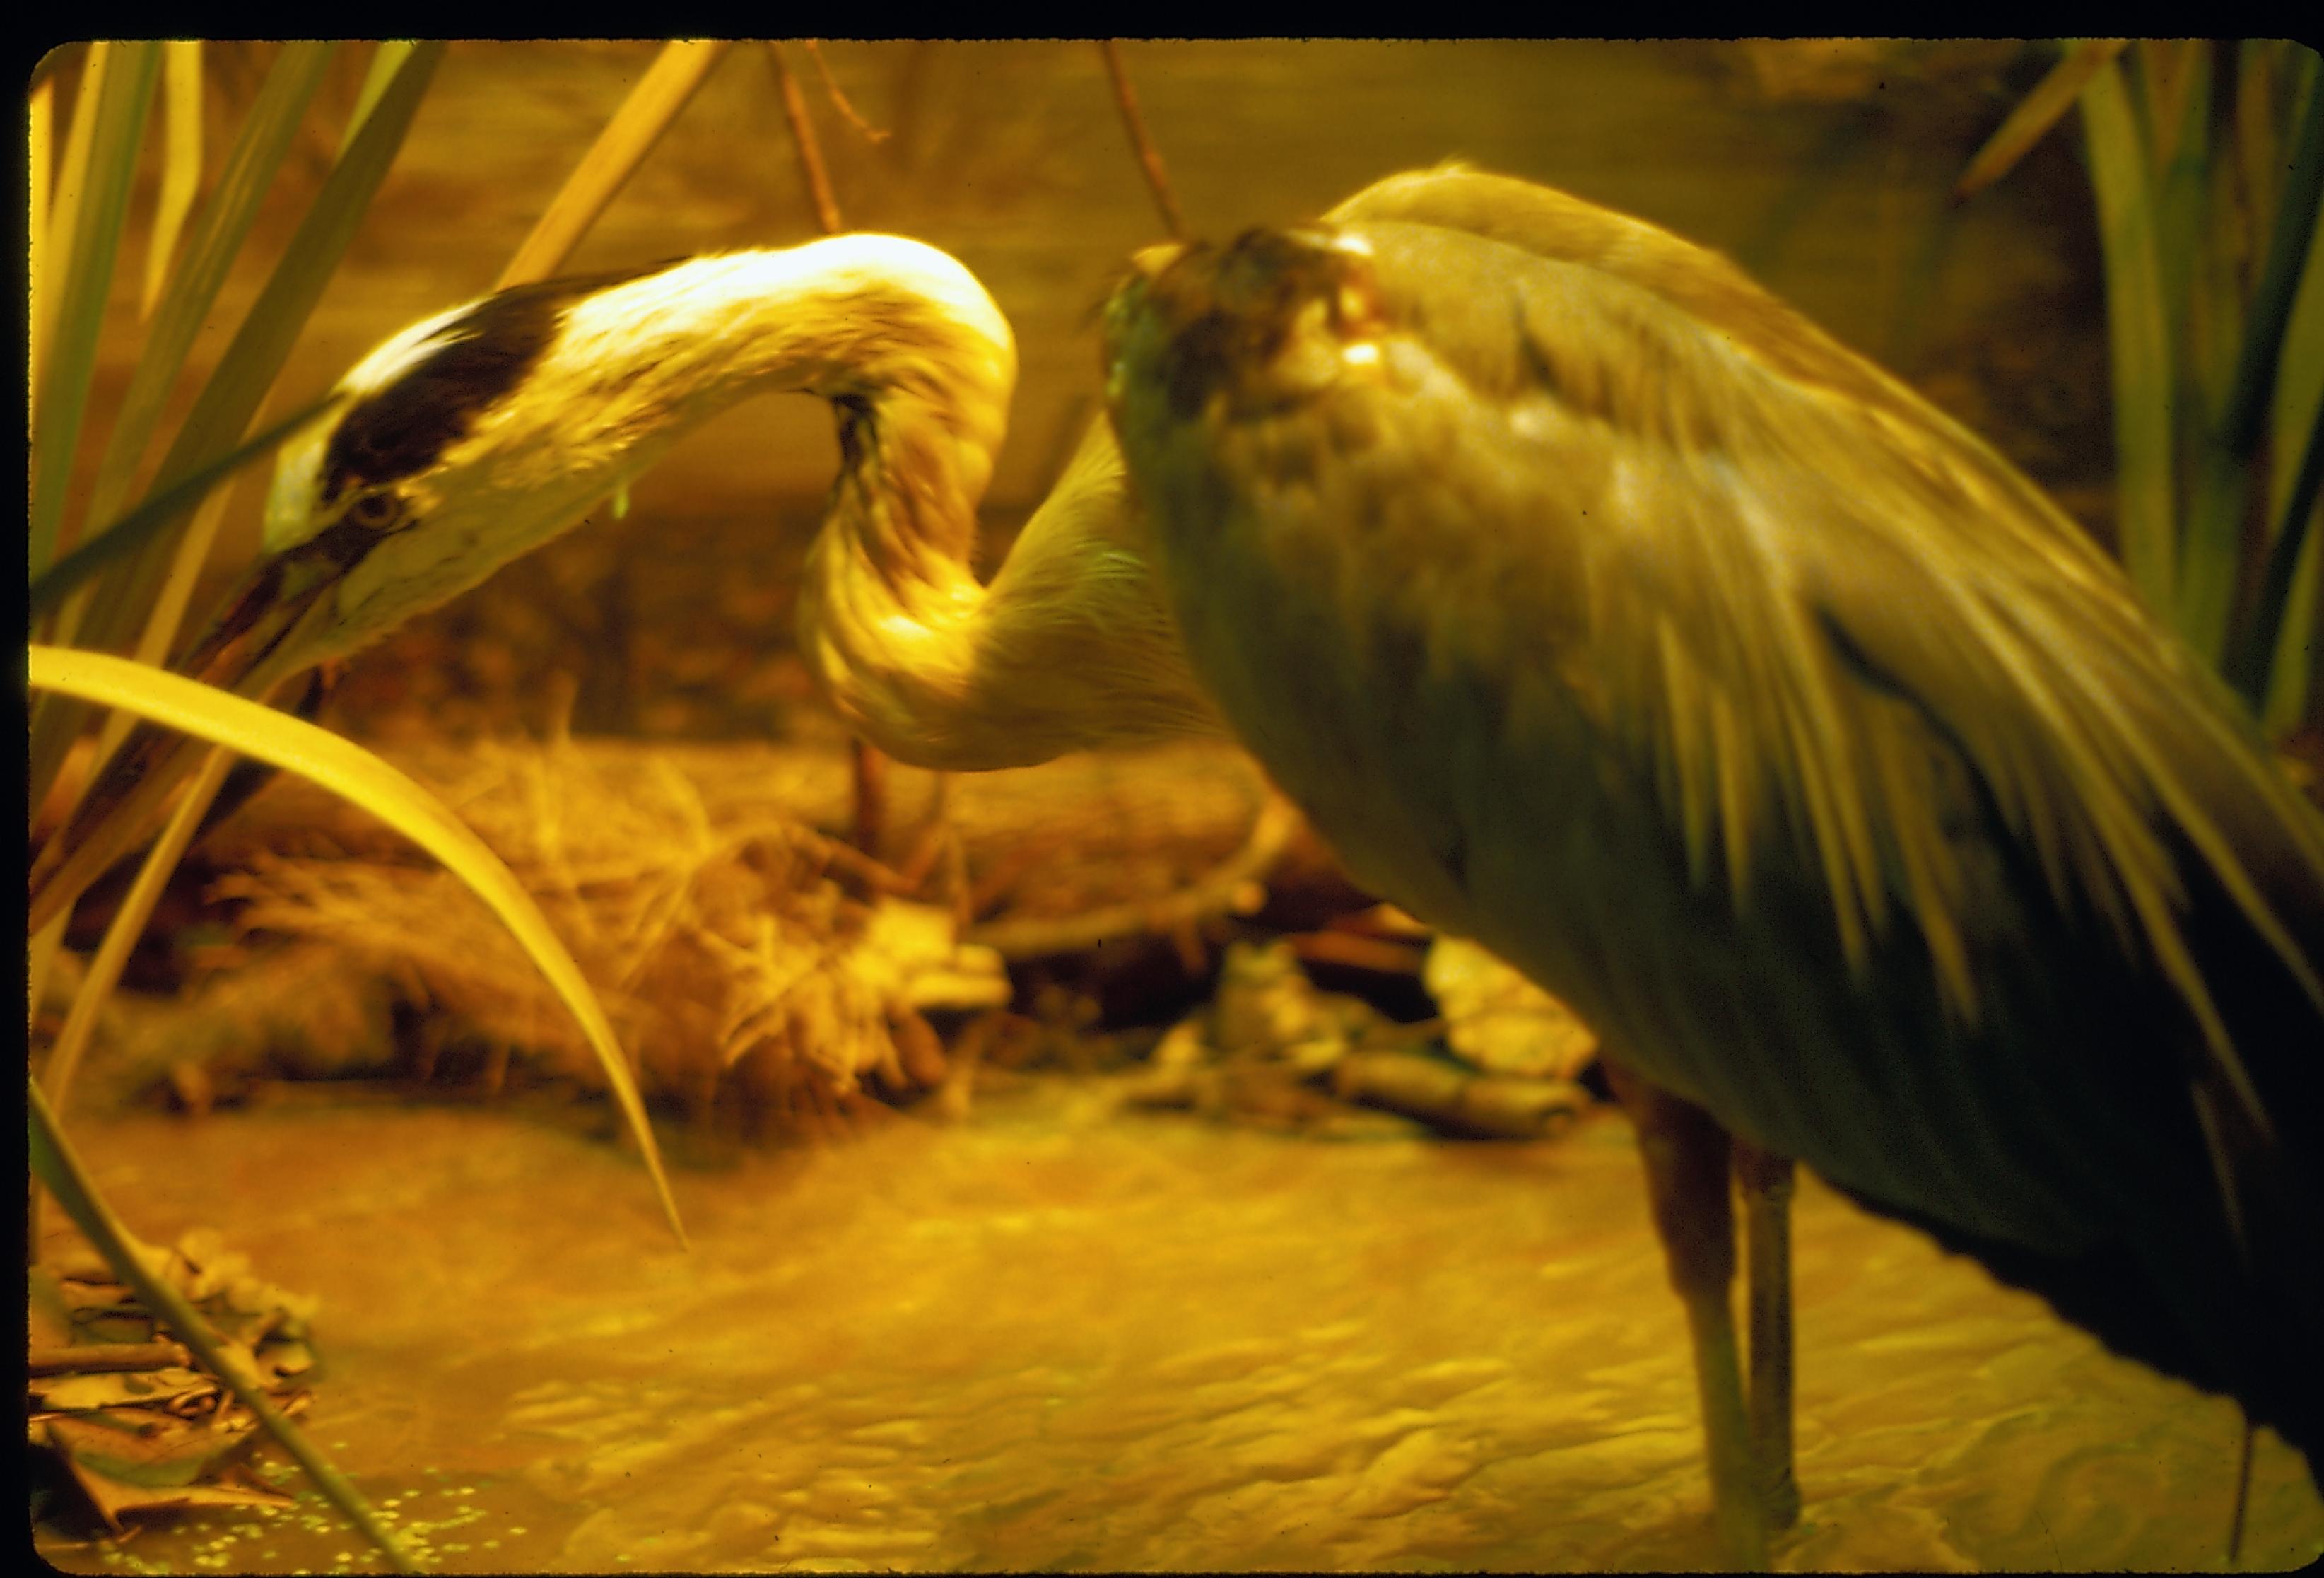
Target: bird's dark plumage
(469,364)
(1597,605)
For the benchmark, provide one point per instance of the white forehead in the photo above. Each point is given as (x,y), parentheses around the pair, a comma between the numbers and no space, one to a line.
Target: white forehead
(401,351)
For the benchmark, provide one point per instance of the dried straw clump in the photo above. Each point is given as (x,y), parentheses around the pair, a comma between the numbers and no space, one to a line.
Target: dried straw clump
(727,957)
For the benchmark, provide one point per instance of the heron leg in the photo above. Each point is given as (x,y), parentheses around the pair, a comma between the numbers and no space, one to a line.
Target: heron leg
(870,778)
(1686,1154)
(1765,1180)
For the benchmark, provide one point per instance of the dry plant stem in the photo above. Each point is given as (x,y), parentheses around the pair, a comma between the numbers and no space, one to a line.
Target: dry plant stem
(169,611)
(1224,890)
(2039,110)
(1149,160)
(871,767)
(162,626)
(859,865)
(731,939)
(968,1049)
(810,152)
(41,149)
(656,101)
(182,67)
(863,128)
(1362,952)
(40,955)
(127,1357)
(129,925)
(64,209)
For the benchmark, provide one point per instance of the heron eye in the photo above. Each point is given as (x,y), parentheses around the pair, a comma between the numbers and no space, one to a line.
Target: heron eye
(378,510)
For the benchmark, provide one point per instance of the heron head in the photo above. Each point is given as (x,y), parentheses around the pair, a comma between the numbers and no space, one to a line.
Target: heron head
(417,484)
(413,484)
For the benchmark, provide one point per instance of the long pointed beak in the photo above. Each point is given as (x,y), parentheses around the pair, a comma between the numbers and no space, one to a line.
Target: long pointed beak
(270,628)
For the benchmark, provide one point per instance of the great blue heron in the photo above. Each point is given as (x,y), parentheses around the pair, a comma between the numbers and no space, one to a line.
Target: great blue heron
(1594,605)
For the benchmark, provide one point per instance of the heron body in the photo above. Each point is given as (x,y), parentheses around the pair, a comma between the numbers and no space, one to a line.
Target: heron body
(1592,604)
(1595,605)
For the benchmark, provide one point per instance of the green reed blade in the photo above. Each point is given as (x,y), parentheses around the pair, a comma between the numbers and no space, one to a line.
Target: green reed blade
(124,95)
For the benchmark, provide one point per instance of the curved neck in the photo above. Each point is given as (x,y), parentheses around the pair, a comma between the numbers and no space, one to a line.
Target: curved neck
(899,336)
(1068,647)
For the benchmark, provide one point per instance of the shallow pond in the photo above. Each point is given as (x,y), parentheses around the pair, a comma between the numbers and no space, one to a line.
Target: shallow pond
(1059,1335)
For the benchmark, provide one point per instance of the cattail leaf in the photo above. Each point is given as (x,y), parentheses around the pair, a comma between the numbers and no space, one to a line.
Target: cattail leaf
(2137,338)
(123,92)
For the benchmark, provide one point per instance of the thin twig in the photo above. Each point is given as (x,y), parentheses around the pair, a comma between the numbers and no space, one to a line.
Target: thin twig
(1358,952)
(88,1358)
(857,864)
(929,841)
(810,152)
(863,128)
(1228,890)
(1149,160)
(129,925)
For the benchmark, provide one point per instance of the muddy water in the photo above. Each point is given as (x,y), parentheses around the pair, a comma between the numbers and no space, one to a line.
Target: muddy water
(1058,1336)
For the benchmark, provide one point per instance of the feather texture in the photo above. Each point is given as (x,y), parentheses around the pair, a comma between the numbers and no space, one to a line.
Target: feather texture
(1596,605)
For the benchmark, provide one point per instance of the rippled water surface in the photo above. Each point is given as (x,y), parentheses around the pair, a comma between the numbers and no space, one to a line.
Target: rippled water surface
(1060,1336)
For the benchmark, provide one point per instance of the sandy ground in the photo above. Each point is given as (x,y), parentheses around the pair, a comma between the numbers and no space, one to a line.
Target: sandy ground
(1064,1337)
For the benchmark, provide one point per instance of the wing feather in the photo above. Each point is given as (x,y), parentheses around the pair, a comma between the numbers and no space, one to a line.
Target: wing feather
(1792,540)
(1542,521)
